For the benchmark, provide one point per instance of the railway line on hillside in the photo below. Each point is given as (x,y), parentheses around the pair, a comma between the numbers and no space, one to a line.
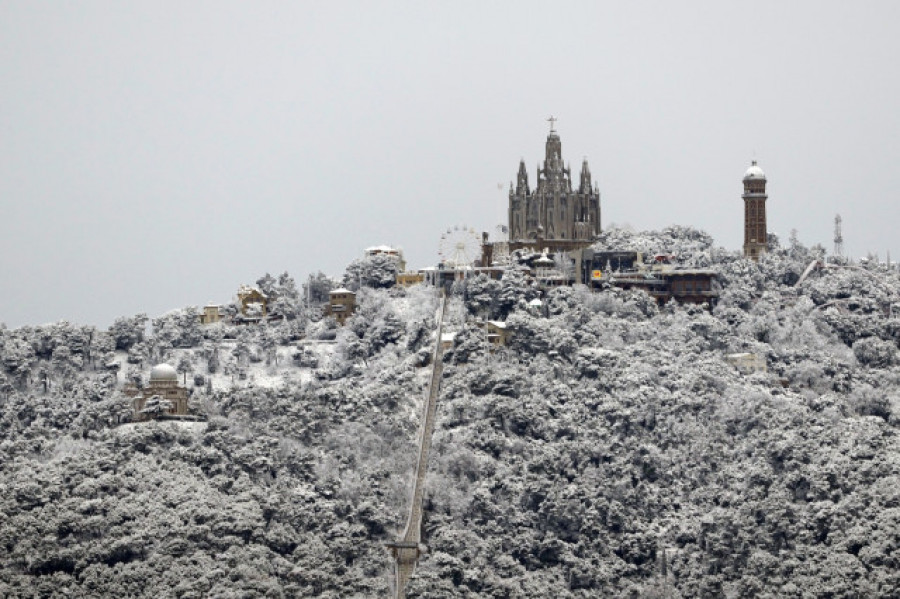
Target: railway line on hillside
(408,548)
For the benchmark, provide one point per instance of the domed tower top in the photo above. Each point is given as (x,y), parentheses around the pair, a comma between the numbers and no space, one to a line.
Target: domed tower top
(754,181)
(163,373)
(754,172)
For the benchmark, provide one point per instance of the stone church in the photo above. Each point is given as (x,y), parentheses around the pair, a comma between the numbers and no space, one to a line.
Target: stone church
(554,211)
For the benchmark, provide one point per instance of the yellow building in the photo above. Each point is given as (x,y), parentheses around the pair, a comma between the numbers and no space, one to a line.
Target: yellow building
(253,302)
(211,314)
(164,385)
(747,362)
(408,279)
(341,305)
(447,340)
(497,332)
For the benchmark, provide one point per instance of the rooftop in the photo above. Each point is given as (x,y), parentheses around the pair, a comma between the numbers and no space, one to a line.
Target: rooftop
(754,172)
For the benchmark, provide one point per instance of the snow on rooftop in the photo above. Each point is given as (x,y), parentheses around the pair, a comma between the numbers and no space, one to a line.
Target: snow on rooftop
(382,249)
(163,372)
(754,172)
(248,289)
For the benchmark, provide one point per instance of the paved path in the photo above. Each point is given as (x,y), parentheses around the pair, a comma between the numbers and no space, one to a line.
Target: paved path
(406,551)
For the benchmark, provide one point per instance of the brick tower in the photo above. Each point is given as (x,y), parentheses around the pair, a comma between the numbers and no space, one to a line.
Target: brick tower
(755,233)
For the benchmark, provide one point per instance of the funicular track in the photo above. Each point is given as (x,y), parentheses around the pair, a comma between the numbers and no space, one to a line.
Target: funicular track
(406,551)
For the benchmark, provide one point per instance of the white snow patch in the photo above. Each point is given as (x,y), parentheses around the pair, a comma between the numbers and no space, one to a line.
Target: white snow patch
(188,425)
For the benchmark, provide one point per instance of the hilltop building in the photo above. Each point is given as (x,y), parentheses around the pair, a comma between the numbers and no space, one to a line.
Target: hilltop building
(391,252)
(561,216)
(341,305)
(755,233)
(662,280)
(554,215)
(212,313)
(747,363)
(408,279)
(498,333)
(253,303)
(163,386)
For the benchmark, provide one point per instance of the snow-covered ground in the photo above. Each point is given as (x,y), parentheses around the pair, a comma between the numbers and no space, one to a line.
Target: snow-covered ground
(195,427)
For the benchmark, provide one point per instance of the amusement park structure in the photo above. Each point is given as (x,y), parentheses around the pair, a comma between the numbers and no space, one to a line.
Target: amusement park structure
(459,248)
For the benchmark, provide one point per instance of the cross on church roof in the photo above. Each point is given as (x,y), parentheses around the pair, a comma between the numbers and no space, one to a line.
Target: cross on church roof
(552,120)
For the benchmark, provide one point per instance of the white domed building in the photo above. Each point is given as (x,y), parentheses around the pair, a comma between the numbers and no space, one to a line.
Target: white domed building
(164,385)
(163,374)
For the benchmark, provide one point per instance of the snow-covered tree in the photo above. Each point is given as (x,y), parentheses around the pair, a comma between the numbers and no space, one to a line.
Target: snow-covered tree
(612,448)
(316,289)
(378,271)
(128,330)
(156,405)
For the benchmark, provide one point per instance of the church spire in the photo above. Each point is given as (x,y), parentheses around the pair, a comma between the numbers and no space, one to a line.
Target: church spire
(585,186)
(555,209)
(553,153)
(522,179)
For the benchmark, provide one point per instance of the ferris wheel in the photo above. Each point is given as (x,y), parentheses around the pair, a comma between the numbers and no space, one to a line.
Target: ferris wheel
(459,247)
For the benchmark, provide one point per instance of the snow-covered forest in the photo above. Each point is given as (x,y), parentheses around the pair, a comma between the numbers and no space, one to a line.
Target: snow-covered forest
(609,450)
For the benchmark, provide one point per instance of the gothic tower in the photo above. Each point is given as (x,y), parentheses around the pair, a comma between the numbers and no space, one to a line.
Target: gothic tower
(554,210)
(755,233)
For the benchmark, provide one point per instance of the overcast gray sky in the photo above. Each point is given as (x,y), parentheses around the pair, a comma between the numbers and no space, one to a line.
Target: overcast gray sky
(155,155)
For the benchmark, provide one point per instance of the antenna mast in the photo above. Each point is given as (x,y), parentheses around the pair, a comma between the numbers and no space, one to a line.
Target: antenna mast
(838,238)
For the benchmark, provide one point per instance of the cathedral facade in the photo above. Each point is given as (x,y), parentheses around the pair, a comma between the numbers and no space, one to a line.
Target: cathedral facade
(554,210)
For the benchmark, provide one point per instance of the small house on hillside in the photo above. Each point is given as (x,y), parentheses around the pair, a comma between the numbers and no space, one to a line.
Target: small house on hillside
(392,252)
(212,313)
(498,334)
(341,305)
(747,362)
(447,340)
(253,303)
(408,279)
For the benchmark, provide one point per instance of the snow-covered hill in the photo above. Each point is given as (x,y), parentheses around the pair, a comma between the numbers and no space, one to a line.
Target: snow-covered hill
(611,449)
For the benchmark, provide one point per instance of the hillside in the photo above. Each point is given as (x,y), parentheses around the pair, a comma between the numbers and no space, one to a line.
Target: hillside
(609,450)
